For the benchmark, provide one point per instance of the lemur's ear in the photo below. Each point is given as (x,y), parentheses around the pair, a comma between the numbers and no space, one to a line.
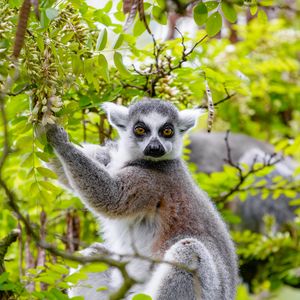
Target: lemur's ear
(117,115)
(188,118)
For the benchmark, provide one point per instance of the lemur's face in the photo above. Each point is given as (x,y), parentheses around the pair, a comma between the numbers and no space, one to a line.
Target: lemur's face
(155,136)
(151,129)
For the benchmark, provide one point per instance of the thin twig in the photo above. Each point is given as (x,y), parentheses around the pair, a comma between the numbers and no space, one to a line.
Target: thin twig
(244,175)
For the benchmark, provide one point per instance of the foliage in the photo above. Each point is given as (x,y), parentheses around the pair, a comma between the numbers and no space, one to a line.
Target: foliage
(76,57)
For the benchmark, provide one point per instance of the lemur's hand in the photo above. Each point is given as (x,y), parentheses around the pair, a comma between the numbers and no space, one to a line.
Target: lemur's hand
(56,135)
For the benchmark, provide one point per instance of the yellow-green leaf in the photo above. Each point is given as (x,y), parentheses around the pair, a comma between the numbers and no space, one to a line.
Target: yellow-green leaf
(94,267)
(253,9)
(118,60)
(103,67)
(46,172)
(102,40)
(119,41)
(141,297)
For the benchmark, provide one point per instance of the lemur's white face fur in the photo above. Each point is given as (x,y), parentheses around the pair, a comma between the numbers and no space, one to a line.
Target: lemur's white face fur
(151,129)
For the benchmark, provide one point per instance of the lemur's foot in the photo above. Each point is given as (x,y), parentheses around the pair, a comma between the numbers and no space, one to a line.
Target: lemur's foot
(56,135)
(185,252)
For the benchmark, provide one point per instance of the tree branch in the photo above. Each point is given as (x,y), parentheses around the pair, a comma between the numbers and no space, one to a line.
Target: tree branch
(270,161)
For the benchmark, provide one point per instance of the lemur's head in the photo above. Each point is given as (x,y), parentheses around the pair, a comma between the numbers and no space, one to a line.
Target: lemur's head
(151,129)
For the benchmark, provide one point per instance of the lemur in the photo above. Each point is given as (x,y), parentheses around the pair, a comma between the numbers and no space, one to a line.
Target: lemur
(147,202)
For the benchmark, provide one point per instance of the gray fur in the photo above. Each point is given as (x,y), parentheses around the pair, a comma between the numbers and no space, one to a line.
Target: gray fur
(155,206)
(95,152)
(149,105)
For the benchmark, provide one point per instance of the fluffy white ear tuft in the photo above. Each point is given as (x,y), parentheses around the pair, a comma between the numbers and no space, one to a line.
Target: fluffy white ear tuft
(188,118)
(117,115)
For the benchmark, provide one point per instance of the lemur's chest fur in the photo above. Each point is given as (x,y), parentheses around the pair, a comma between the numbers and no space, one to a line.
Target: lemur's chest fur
(168,213)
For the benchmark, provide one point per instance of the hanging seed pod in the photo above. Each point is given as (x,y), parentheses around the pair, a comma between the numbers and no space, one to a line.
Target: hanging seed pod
(21,28)
(210,107)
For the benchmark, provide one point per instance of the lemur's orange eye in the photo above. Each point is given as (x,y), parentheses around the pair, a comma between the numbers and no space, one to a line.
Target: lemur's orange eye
(139,131)
(167,132)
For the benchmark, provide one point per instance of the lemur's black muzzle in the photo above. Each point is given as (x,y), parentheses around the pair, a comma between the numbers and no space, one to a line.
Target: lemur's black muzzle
(154,149)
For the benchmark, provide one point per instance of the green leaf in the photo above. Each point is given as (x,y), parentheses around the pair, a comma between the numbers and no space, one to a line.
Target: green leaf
(4,277)
(49,186)
(27,160)
(295,202)
(211,5)
(7,287)
(161,3)
(103,67)
(253,9)
(44,19)
(94,267)
(262,16)
(102,40)
(200,14)
(214,24)
(77,64)
(119,41)
(229,12)
(84,101)
(119,16)
(141,297)
(66,37)
(51,13)
(138,28)
(57,268)
(75,277)
(118,60)
(290,193)
(102,17)
(43,156)
(46,172)
(102,288)
(40,42)
(159,15)
(58,294)
(108,6)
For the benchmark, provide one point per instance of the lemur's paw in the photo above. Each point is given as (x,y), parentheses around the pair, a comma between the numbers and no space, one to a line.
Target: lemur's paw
(185,252)
(95,249)
(56,135)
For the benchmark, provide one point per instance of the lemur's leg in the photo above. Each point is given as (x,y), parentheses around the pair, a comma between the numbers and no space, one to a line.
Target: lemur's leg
(88,288)
(174,283)
(86,176)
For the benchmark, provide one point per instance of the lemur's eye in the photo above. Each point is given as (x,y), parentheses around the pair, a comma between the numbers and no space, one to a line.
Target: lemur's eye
(139,130)
(168,132)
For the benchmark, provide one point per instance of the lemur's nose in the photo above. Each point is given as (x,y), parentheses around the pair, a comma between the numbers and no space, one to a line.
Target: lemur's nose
(154,149)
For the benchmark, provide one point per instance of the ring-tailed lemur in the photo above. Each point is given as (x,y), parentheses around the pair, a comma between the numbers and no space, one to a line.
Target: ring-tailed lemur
(147,201)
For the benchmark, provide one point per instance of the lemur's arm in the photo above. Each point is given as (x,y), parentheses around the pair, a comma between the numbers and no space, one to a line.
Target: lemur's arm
(98,189)
(96,152)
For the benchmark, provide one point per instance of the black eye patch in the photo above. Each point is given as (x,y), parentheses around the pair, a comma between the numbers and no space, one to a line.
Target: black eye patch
(167,130)
(140,129)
